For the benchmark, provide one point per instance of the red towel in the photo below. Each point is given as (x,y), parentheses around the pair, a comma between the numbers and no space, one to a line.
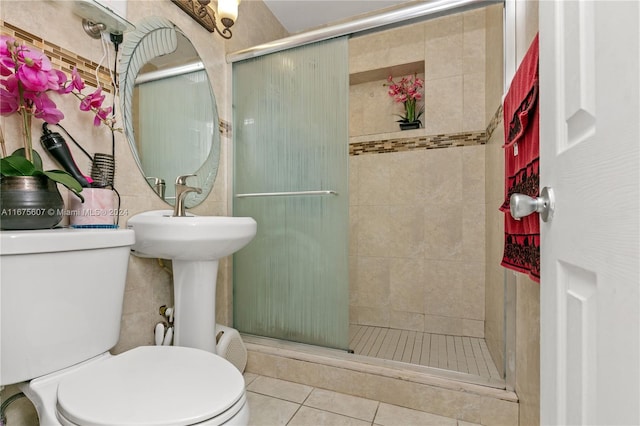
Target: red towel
(522,155)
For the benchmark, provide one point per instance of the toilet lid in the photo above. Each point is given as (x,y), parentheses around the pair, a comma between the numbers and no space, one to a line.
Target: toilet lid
(151,385)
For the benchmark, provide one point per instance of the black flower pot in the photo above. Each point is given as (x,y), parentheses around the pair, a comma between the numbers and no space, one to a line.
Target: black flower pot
(29,202)
(410,126)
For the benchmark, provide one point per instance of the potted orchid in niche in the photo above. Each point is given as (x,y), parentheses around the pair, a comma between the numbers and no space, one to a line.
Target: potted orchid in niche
(29,196)
(407,92)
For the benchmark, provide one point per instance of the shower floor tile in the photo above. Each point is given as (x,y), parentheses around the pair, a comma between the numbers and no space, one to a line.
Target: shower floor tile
(457,353)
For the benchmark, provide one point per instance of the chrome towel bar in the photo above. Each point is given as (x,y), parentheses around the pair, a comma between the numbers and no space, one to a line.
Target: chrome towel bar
(283,194)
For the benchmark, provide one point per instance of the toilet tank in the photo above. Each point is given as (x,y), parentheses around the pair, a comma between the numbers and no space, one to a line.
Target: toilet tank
(61,295)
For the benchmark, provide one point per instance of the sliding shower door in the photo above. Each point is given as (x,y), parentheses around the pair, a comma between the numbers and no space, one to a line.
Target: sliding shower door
(291,175)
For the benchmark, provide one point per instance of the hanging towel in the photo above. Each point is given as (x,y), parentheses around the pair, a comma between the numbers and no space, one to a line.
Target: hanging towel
(522,155)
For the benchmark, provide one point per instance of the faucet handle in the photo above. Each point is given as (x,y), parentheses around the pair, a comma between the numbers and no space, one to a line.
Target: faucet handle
(182,180)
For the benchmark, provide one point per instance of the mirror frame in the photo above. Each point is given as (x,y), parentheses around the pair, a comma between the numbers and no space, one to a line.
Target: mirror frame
(156,36)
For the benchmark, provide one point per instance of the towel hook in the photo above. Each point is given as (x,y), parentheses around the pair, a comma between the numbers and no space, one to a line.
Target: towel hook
(522,205)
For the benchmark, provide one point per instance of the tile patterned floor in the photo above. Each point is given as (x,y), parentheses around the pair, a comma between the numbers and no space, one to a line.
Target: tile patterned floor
(276,402)
(465,354)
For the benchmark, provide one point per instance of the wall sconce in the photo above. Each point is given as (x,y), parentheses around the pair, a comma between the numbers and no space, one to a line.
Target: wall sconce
(205,16)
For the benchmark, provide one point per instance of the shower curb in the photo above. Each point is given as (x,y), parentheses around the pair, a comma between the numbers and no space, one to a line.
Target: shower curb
(441,392)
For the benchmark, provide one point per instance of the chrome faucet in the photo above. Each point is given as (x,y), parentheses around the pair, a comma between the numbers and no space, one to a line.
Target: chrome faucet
(181,192)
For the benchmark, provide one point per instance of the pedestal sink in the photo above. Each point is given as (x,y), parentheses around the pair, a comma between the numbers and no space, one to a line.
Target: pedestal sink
(194,244)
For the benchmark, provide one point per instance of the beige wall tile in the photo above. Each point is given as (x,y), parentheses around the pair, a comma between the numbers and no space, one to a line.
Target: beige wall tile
(473,115)
(472,291)
(443,325)
(473,328)
(386,48)
(443,290)
(494,63)
(353,230)
(406,175)
(443,176)
(444,47)
(407,231)
(473,173)
(374,230)
(473,232)
(376,316)
(474,46)
(406,320)
(374,182)
(406,282)
(443,105)
(373,282)
(353,280)
(494,235)
(443,231)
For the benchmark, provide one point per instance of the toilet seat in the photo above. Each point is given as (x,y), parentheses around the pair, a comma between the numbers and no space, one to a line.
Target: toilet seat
(155,386)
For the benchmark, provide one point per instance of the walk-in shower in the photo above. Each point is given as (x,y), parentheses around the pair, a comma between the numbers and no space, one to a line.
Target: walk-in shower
(410,223)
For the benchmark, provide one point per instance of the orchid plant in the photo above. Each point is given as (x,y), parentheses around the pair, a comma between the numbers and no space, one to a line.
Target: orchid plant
(28,79)
(407,92)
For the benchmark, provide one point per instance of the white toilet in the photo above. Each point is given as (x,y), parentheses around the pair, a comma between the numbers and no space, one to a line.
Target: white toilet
(61,295)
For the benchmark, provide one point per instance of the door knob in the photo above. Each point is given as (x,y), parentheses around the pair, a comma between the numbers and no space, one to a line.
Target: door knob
(522,205)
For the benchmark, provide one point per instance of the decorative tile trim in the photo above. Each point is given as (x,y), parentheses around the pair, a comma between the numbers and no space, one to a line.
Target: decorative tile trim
(62,59)
(451,140)
(496,120)
(418,143)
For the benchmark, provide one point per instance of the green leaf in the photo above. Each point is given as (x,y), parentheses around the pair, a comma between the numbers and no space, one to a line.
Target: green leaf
(16,165)
(37,160)
(65,179)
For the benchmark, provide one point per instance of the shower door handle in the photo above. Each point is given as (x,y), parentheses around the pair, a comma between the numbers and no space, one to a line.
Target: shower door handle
(522,205)
(289,193)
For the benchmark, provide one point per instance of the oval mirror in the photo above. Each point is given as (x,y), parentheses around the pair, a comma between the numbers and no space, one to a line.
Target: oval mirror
(169,109)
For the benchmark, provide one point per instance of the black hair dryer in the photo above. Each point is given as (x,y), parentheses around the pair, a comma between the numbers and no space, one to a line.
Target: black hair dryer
(57,147)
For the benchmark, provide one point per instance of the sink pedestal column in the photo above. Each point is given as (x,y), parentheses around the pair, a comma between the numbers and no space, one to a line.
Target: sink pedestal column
(194,292)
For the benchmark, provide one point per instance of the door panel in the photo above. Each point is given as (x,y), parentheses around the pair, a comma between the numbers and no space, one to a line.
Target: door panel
(291,175)
(590,255)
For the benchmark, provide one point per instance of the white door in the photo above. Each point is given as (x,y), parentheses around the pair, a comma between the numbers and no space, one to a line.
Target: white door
(589,142)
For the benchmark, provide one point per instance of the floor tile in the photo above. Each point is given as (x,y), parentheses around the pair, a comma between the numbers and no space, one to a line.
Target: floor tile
(268,411)
(463,423)
(392,415)
(307,416)
(348,405)
(280,389)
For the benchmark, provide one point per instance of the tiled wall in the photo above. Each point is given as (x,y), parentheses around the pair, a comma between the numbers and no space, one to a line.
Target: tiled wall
(417,214)
(448,52)
(494,188)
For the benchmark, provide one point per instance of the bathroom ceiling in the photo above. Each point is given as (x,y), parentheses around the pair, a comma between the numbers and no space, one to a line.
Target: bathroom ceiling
(302,15)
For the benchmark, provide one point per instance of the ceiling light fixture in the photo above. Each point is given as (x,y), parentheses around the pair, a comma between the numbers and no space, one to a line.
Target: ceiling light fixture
(205,16)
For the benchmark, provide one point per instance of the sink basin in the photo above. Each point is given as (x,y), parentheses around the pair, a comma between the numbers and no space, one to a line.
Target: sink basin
(161,235)
(194,244)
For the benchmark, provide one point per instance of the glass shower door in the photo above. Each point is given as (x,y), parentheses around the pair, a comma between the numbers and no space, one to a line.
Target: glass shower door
(291,176)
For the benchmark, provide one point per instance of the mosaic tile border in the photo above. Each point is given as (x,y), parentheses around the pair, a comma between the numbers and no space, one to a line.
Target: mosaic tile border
(383,146)
(418,143)
(496,120)
(62,59)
